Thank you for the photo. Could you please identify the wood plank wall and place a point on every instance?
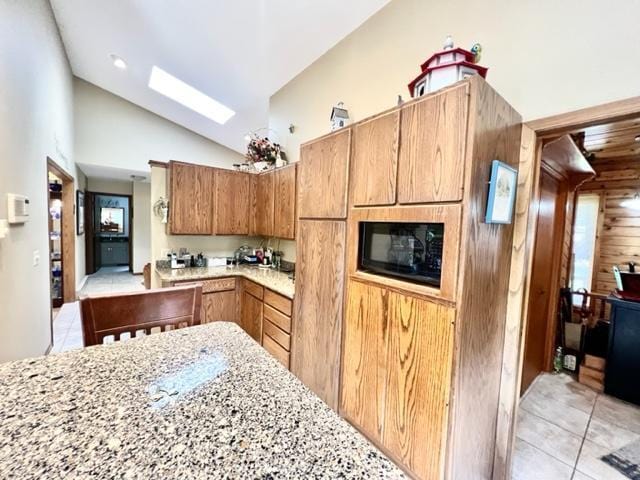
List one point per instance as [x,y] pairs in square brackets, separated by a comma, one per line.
[619,228]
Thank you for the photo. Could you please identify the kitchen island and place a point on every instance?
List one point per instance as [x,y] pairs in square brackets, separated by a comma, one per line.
[201,402]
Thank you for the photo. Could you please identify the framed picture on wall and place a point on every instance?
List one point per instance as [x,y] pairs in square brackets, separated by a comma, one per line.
[502,193]
[79,212]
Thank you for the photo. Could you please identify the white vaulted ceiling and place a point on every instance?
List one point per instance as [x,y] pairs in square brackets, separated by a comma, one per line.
[238,52]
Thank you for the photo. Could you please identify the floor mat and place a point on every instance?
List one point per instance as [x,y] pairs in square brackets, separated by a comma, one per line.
[626,460]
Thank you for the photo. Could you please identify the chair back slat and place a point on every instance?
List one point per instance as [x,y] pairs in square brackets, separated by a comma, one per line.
[141,312]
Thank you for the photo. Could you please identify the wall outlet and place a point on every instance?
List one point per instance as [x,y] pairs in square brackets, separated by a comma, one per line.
[36,258]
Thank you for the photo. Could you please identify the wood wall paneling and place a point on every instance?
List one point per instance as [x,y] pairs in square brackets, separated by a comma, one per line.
[317,330]
[323,175]
[191,199]
[485,258]
[284,222]
[231,203]
[264,204]
[375,160]
[432,147]
[618,238]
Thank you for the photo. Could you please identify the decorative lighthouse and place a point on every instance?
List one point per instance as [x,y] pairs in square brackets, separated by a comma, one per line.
[447,67]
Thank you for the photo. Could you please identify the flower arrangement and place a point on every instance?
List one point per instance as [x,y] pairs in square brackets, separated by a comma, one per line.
[263,153]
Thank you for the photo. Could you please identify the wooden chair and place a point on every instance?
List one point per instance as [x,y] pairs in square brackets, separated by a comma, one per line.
[117,314]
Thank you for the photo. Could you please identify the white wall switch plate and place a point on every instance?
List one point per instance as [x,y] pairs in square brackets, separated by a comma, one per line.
[36,258]
[4,228]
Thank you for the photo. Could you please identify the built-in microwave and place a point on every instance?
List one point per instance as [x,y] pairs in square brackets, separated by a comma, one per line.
[407,251]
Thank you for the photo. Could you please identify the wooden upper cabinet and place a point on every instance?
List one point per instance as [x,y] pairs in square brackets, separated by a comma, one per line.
[191,199]
[253,202]
[375,160]
[322,176]
[284,223]
[432,147]
[231,203]
[264,199]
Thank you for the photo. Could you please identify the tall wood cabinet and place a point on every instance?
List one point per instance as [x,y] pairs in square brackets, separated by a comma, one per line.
[420,366]
[315,350]
[320,266]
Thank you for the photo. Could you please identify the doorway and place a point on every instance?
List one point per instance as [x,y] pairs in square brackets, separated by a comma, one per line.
[109,239]
[62,232]
[614,144]
[540,333]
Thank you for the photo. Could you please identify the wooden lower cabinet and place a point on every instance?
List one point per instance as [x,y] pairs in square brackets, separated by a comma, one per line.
[251,316]
[220,307]
[396,374]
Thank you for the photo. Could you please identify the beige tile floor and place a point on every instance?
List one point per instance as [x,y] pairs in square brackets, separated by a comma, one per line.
[67,331]
[565,427]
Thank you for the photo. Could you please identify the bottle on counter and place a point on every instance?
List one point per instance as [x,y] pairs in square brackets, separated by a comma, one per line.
[557,360]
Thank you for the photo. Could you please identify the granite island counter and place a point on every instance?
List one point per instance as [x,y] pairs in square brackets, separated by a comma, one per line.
[201,402]
[272,279]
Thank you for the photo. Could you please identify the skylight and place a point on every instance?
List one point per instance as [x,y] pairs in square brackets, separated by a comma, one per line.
[183,93]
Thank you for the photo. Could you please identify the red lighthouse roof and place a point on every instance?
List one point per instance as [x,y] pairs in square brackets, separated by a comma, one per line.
[468,56]
[447,58]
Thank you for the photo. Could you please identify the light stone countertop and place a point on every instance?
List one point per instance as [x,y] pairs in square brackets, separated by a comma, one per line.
[272,279]
[201,402]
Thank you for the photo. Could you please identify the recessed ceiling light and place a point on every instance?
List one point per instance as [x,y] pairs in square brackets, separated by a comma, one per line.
[118,62]
[192,98]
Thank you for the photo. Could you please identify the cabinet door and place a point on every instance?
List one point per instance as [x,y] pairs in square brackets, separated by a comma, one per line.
[219,306]
[284,223]
[365,358]
[231,203]
[317,331]
[322,177]
[264,204]
[432,148]
[375,160]
[253,204]
[191,199]
[420,354]
[251,316]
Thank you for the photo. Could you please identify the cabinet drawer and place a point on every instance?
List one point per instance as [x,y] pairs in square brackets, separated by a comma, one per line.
[278,302]
[280,336]
[253,289]
[214,285]
[279,319]
[276,350]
